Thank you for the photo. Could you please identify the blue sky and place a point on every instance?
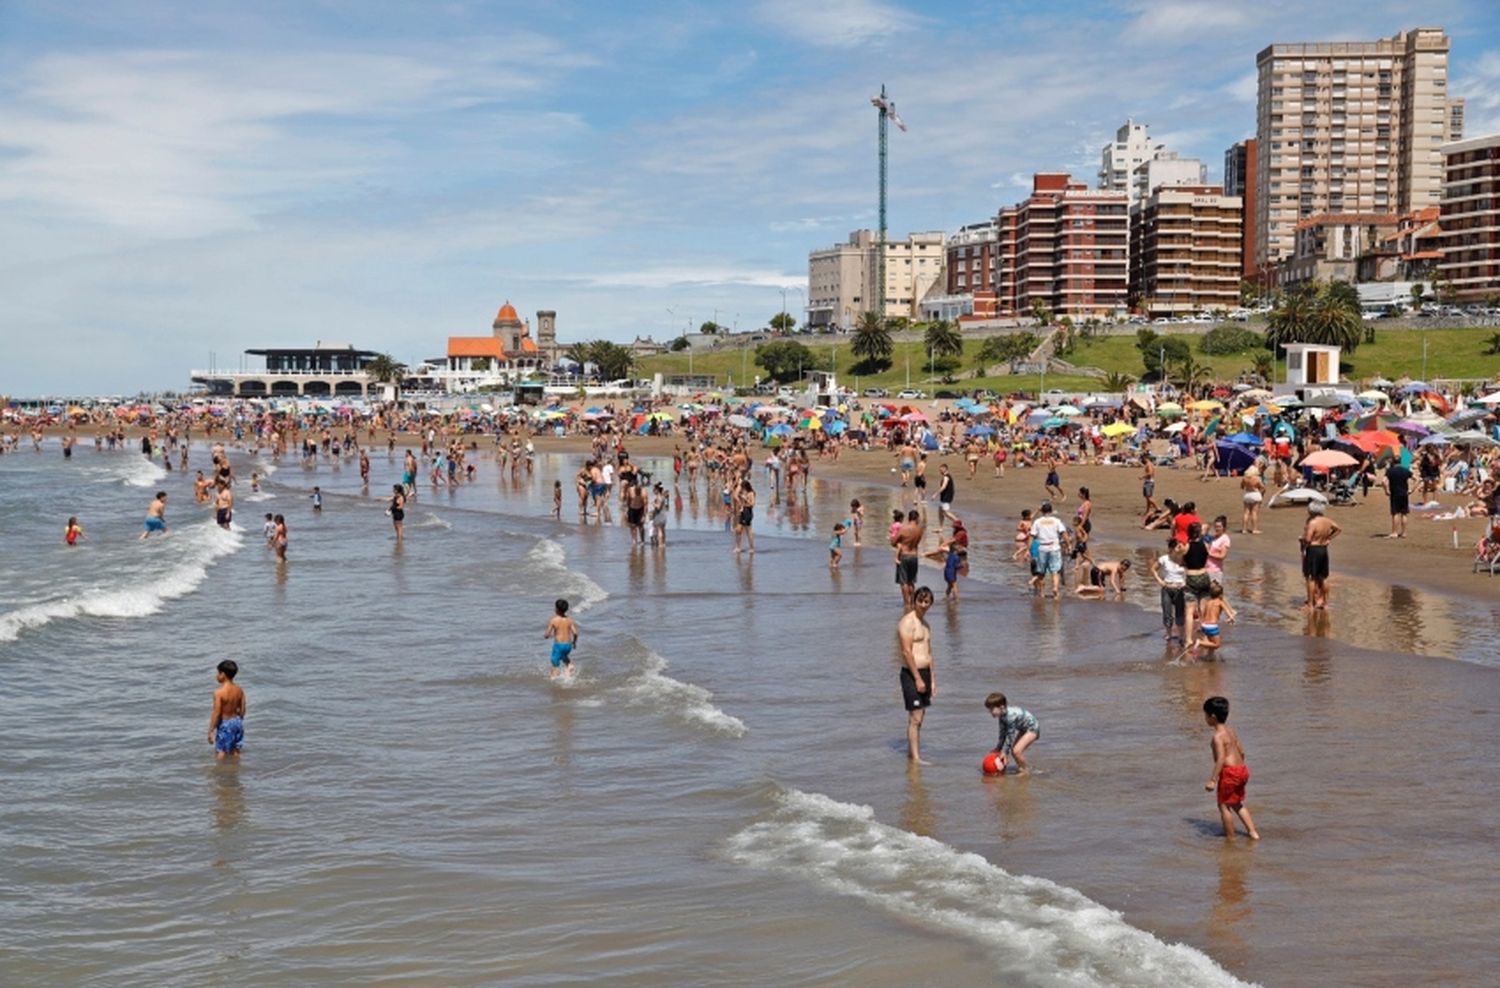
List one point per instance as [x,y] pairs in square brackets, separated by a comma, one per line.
[180,179]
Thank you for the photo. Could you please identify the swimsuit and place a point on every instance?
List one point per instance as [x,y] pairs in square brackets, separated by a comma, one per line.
[1016,724]
[916,698]
[1315,562]
[906,570]
[154,524]
[1232,780]
[1211,630]
[562,654]
[230,735]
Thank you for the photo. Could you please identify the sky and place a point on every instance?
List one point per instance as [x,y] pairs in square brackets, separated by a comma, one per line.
[182,181]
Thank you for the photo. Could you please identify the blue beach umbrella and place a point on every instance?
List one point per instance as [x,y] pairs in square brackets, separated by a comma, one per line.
[781,429]
[836,428]
[1055,423]
[981,431]
[1248,439]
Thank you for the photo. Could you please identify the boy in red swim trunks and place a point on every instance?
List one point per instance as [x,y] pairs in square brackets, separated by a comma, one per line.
[1230,772]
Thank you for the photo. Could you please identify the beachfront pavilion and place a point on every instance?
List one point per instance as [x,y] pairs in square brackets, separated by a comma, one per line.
[325,370]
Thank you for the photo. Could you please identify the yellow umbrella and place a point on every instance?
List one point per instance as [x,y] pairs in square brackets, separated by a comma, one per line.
[1117,429]
[1205,406]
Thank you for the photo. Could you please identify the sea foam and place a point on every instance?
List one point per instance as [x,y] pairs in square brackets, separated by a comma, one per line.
[582,592]
[652,688]
[1036,931]
[193,549]
[137,471]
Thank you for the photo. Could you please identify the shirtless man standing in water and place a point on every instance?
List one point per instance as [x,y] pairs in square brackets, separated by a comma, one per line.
[1316,534]
[907,542]
[918,681]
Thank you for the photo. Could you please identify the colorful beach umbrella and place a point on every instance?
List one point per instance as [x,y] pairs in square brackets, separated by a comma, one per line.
[1328,459]
[1116,429]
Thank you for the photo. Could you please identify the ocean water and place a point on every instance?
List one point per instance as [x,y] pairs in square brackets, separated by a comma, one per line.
[721,797]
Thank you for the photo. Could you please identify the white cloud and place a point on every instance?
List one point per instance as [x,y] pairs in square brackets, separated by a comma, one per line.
[837,23]
[688,275]
[1244,89]
[183,143]
[1173,20]
[1481,92]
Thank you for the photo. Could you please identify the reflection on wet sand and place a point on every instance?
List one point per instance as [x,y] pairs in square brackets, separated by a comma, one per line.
[916,812]
[1231,914]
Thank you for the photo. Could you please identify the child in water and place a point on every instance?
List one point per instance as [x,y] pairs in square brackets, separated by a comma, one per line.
[563,631]
[1018,730]
[317,499]
[74,532]
[557,499]
[269,529]
[951,564]
[1231,774]
[836,546]
[1210,612]
[226,724]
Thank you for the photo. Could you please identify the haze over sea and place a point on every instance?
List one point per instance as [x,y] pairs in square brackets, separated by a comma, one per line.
[721,797]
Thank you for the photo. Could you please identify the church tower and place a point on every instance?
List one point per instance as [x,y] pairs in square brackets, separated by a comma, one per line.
[546,333]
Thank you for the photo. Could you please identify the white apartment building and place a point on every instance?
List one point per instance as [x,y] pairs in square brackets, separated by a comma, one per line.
[1162,169]
[1131,148]
[842,280]
[1349,127]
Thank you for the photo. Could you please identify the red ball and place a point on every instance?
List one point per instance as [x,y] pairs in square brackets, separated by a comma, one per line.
[993,764]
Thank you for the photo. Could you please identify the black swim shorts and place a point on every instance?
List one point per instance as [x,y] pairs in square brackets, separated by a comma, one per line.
[1315,562]
[906,570]
[916,699]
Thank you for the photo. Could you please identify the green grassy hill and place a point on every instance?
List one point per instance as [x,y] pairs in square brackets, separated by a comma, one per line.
[1451,353]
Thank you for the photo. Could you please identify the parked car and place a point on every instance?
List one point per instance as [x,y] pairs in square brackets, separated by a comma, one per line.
[911,394]
[948,395]
[875,392]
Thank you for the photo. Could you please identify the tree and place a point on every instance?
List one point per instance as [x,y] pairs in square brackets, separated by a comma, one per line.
[709,328]
[1192,373]
[1418,292]
[1041,312]
[783,322]
[1492,344]
[611,361]
[872,344]
[1324,314]
[1115,381]
[1265,366]
[783,359]
[679,344]
[1155,348]
[480,364]
[943,339]
[386,369]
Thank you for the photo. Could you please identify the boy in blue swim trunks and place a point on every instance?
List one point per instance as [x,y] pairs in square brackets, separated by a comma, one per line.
[1018,730]
[563,631]
[1210,613]
[156,516]
[226,725]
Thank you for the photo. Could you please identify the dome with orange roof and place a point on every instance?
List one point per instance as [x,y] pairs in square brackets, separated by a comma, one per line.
[507,316]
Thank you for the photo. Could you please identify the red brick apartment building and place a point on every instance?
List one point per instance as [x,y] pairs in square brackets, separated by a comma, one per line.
[1065,246]
[1470,219]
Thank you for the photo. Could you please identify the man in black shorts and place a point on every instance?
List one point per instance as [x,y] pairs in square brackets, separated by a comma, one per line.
[1316,534]
[908,543]
[1397,484]
[918,680]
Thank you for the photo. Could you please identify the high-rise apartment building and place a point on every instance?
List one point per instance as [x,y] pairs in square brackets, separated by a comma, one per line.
[1348,127]
[1239,180]
[1185,250]
[1470,218]
[1064,246]
[1120,158]
[1135,164]
[841,280]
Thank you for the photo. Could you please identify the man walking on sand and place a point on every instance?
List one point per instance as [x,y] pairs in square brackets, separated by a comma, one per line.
[1397,485]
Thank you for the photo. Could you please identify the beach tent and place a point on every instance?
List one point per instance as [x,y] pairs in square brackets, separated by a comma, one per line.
[1233,457]
[1243,438]
[929,442]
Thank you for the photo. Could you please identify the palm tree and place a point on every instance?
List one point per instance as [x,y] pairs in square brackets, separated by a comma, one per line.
[1265,366]
[1192,373]
[872,343]
[1333,323]
[1115,381]
[1492,344]
[1289,320]
[1041,312]
[942,340]
[386,369]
